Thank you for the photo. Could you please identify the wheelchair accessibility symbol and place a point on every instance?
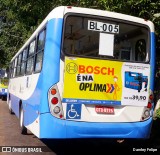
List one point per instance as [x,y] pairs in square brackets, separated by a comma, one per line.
[73,111]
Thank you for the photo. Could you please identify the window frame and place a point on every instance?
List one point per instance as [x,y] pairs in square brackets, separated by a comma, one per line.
[14,62]
[63,53]
[24,61]
[19,60]
[32,56]
[39,51]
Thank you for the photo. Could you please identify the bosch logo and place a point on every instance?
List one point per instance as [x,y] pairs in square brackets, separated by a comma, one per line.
[71,68]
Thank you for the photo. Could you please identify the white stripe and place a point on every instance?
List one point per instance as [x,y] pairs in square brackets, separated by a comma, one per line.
[23,87]
[35,127]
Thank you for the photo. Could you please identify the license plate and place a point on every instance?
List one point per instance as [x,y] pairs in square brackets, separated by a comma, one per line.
[104,110]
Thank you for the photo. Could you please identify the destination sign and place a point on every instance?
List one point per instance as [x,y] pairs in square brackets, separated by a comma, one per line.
[103,27]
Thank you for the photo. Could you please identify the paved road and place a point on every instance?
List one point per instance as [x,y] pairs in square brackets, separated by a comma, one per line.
[10,136]
[10,132]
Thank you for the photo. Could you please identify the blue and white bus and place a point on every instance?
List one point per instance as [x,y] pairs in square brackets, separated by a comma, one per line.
[85,73]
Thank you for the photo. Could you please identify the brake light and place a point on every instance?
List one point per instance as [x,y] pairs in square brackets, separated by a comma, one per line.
[149,105]
[54,100]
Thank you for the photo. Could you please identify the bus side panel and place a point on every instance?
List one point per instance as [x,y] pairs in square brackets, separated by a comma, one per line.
[30,107]
[15,104]
[51,61]
[152,61]
[49,77]
[38,102]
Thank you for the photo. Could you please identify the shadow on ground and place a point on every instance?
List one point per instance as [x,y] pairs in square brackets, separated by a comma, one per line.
[155,134]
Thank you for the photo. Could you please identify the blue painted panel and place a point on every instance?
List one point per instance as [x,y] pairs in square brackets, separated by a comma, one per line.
[108,130]
[30,106]
[51,63]
[56,128]
[15,104]
[51,127]
[152,60]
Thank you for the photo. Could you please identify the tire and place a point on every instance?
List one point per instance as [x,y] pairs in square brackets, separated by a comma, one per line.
[4,98]
[23,129]
[9,106]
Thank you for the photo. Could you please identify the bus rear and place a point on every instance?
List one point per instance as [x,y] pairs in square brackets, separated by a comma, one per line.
[106,75]
[3,88]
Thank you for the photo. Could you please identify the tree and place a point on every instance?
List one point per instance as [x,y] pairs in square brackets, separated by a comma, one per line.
[18,19]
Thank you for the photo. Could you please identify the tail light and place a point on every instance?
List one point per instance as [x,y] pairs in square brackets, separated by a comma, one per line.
[53,91]
[148,110]
[54,100]
[55,103]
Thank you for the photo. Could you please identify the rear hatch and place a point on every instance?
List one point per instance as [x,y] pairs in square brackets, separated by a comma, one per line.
[104,91]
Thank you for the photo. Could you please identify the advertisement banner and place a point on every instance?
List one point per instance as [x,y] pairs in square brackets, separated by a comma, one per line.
[94,81]
[136,81]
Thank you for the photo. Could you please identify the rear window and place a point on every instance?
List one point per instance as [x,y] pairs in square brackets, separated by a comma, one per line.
[105,38]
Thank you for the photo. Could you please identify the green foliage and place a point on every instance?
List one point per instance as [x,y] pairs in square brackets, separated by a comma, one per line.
[18,19]
[157,114]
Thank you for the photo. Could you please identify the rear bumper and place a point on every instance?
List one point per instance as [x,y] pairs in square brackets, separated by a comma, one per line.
[109,130]
[55,128]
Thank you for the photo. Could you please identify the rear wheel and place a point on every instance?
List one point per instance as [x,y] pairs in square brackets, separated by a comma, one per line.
[4,98]
[10,109]
[23,128]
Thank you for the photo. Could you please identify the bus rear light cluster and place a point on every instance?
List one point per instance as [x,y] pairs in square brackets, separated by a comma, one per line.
[148,110]
[150,100]
[55,102]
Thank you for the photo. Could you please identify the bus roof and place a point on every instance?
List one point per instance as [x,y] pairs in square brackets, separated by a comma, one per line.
[60,11]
